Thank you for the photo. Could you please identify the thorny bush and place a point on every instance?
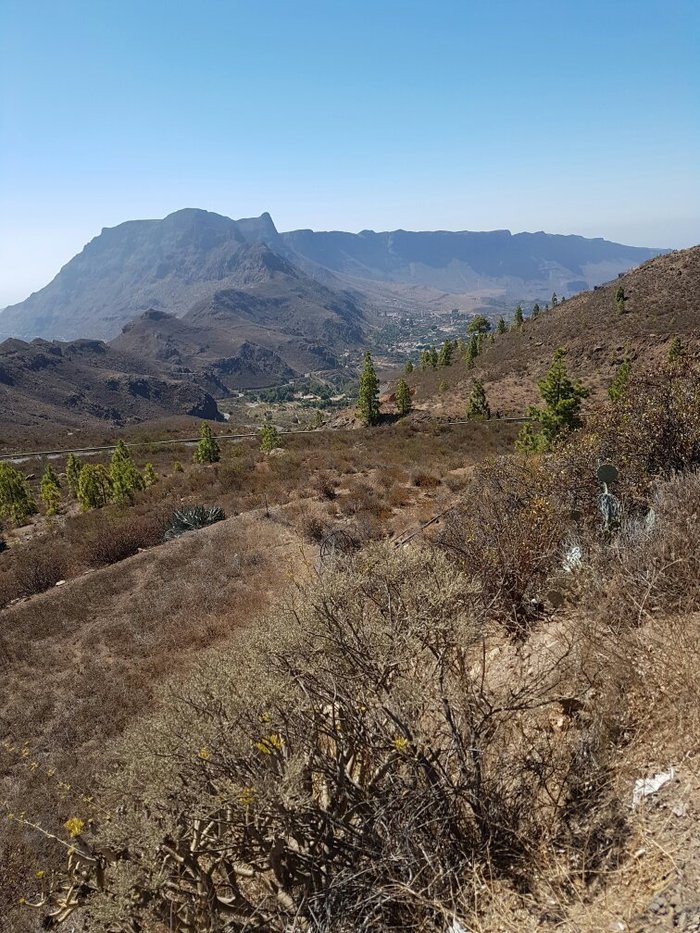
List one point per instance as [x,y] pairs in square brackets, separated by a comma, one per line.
[353,769]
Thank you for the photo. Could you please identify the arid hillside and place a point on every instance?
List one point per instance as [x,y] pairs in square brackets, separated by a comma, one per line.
[50,388]
[661,301]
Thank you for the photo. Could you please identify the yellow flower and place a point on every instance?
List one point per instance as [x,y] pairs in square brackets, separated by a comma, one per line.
[247,796]
[400,743]
[74,826]
[40,874]
[270,743]
[204,753]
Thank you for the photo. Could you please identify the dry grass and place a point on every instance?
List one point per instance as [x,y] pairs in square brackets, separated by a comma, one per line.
[81,662]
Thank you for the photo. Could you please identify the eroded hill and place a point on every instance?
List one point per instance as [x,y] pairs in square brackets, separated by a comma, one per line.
[661,302]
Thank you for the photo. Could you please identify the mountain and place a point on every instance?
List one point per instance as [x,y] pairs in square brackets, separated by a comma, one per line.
[662,301]
[519,267]
[172,265]
[46,385]
[303,284]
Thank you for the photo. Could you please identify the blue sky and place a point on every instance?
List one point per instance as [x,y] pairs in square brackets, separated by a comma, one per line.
[561,115]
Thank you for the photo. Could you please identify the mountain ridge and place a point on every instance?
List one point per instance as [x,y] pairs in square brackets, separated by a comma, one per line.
[175,262]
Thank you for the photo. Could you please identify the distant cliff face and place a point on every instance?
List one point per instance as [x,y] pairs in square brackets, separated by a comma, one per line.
[174,265]
[524,264]
[185,259]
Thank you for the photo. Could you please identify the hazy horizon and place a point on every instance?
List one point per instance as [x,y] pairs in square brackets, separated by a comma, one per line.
[523,116]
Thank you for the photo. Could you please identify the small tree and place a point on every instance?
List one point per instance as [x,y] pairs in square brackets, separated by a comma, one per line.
[620,299]
[50,490]
[561,413]
[368,396]
[403,398]
[473,350]
[73,468]
[445,355]
[178,467]
[408,368]
[618,386]
[518,318]
[94,487]
[125,477]
[16,500]
[478,408]
[676,352]
[269,437]
[479,325]
[501,327]
[555,300]
[208,450]
[150,478]
[536,311]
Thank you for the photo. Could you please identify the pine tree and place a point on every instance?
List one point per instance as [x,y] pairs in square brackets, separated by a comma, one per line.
[433,356]
[676,352]
[125,477]
[408,368]
[425,359]
[150,477]
[473,349]
[73,468]
[501,327]
[50,490]
[269,437]
[561,413]
[403,398]
[208,450]
[16,500]
[368,397]
[620,299]
[518,318]
[94,487]
[479,325]
[555,300]
[478,407]
[445,355]
[618,386]
[536,311]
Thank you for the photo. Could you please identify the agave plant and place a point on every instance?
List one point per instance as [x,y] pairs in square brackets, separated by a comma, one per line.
[199,516]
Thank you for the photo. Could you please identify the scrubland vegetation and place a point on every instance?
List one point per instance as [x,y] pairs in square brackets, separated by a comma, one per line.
[431,732]
[408,684]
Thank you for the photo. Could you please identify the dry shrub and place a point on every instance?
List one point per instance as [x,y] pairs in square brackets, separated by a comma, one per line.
[652,564]
[33,567]
[325,486]
[314,527]
[424,480]
[368,756]
[654,430]
[363,499]
[115,535]
[508,536]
